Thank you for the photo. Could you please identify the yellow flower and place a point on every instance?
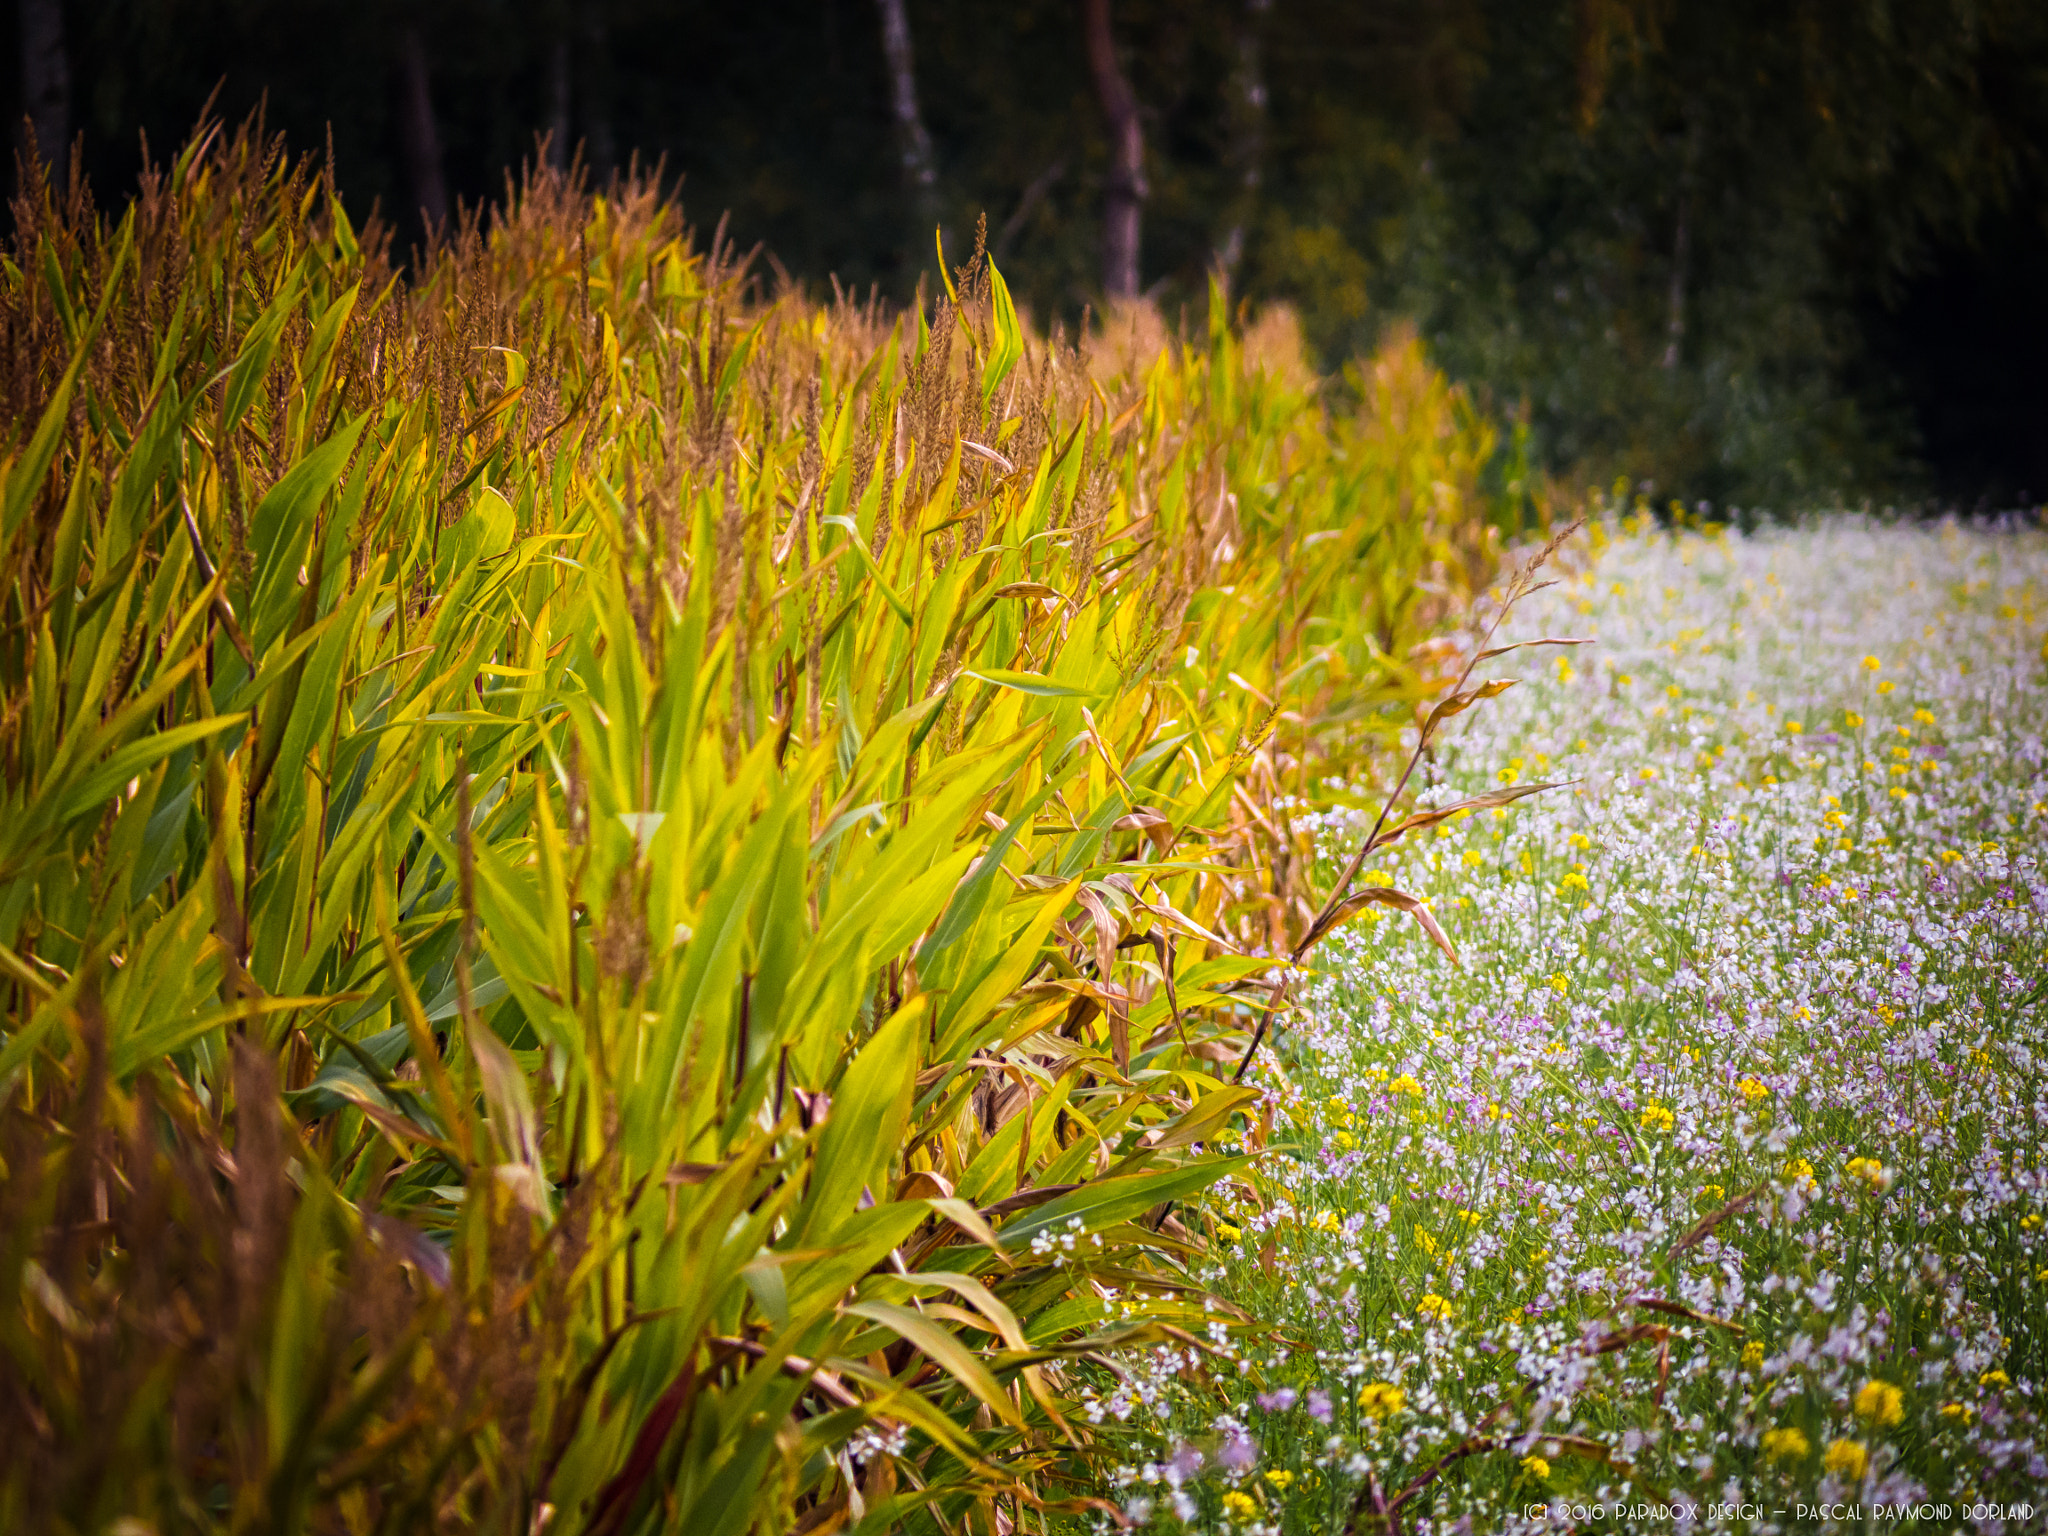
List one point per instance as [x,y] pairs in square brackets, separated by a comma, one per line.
[1435,1306]
[1871,663]
[1848,1457]
[1578,840]
[1382,1400]
[1885,686]
[1752,1354]
[1798,1168]
[1474,856]
[1752,1089]
[1405,1084]
[1713,1192]
[1793,727]
[1852,719]
[1923,717]
[1956,1411]
[1994,1379]
[1559,982]
[1535,1468]
[1873,1174]
[1573,881]
[1881,1403]
[1239,1506]
[1280,1478]
[1424,1241]
[1646,774]
[1228,1233]
[1345,1141]
[1658,1118]
[1786,1444]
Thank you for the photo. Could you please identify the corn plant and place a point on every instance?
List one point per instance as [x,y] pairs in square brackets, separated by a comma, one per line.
[627,902]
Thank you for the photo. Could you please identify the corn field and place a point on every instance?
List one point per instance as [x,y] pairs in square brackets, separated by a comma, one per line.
[628,901]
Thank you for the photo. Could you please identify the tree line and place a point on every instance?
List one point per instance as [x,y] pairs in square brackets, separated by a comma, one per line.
[1647,231]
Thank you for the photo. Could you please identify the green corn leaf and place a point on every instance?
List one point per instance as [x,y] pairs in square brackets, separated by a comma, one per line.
[1006,342]
[944,1350]
[1104,1202]
[259,349]
[23,477]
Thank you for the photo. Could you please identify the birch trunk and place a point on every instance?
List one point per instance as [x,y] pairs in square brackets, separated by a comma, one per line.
[420,132]
[1124,194]
[1247,153]
[914,143]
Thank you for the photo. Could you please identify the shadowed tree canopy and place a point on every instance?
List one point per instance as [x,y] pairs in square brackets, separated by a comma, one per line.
[1689,244]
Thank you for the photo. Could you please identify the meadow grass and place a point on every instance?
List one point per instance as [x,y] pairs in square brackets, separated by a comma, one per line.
[1714,1178]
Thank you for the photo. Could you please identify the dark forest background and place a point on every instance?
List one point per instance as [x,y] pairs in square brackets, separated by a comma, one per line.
[1749,251]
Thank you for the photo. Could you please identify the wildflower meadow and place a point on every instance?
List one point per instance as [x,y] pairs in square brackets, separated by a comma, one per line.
[1707,1191]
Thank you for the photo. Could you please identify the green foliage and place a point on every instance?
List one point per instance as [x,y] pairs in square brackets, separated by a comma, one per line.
[611,895]
[1659,230]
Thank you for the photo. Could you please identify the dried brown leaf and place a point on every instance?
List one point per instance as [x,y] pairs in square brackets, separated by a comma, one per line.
[1384,896]
[1483,802]
[1158,829]
[1502,650]
[1458,703]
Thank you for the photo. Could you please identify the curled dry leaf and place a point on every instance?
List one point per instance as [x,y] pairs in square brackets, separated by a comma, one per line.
[1172,917]
[923,1184]
[1523,645]
[991,455]
[1679,1309]
[1385,896]
[1158,829]
[1115,1003]
[1483,802]
[1702,1229]
[1461,701]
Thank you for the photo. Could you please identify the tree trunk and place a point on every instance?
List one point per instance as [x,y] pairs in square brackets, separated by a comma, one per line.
[1125,192]
[1247,151]
[46,83]
[558,101]
[599,152]
[420,132]
[1681,244]
[1681,260]
[920,164]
